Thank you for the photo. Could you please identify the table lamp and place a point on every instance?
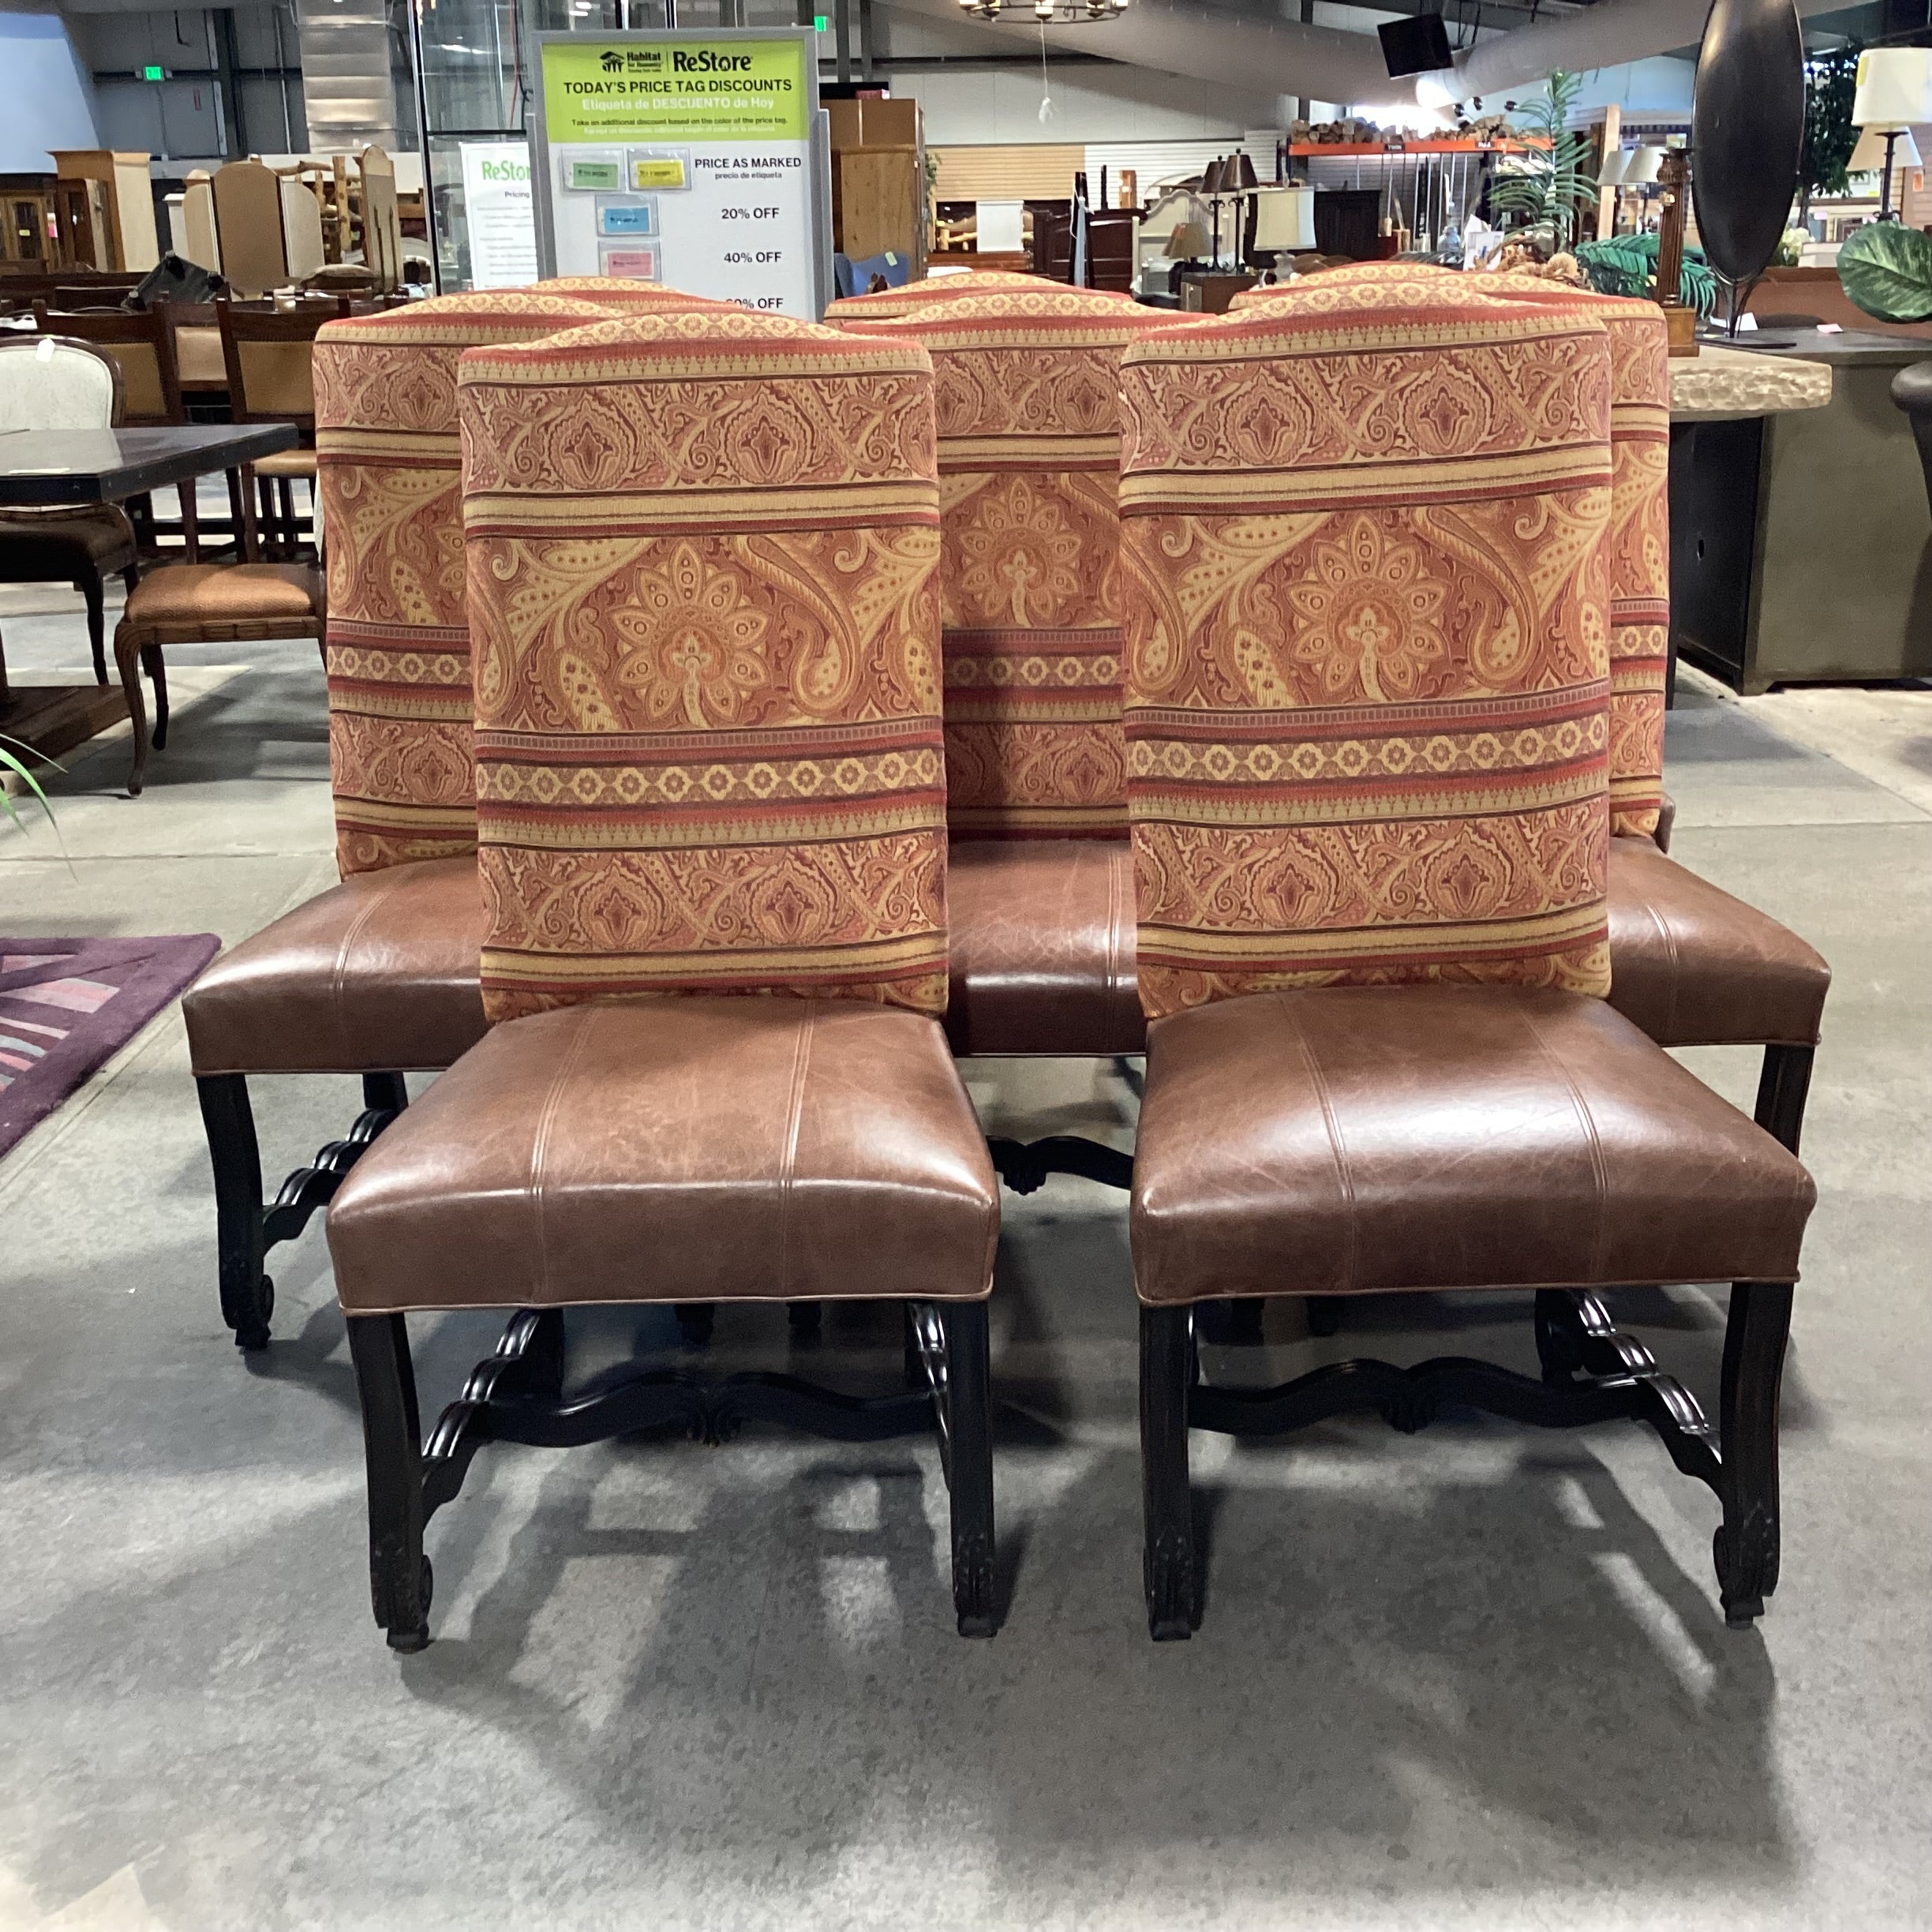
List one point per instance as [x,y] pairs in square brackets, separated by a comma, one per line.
[1284,221]
[1610,180]
[1187,242]
[1894,89]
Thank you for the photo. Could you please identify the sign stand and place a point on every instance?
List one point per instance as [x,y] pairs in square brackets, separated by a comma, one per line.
[699,160]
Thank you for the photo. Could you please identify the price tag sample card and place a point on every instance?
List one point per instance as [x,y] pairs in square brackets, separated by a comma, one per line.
[685,159]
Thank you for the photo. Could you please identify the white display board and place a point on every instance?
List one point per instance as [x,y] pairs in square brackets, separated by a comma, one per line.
[499,209]
[696,159]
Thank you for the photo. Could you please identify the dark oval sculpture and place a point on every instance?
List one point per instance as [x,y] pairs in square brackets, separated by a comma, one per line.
[1746,128]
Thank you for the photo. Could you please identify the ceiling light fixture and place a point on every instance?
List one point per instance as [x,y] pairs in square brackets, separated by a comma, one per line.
[1051,12]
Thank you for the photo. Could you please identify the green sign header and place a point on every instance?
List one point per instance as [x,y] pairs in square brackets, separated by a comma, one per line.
[690,89]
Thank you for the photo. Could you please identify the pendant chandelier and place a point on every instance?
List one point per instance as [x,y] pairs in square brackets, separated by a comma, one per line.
[1050,13]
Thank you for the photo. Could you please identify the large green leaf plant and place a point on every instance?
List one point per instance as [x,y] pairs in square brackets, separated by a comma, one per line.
[1886,269]
[1627,265]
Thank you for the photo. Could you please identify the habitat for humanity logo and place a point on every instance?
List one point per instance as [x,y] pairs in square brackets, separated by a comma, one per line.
[632,60]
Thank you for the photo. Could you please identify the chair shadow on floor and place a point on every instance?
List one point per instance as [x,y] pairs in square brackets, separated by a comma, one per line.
[775,1672]
[1481,1667]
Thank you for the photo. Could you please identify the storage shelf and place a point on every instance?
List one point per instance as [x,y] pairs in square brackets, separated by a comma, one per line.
[1363,150]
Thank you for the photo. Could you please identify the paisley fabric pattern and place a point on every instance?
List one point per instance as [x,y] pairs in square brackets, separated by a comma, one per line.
[398,641]
[1027,383]
[615,292]
[886,304]
[1365,574]
[1639,515]
[703,552]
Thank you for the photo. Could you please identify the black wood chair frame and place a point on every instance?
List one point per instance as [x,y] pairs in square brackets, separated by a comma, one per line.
[1591,1373]
[517,1395]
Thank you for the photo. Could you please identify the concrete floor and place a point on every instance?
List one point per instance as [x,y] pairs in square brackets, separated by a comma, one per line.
[1475,1678]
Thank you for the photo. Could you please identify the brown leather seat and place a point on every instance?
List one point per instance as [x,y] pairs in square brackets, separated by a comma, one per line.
[1693,967]
[376,974]
[705,1149]
[1354,1140]
[1043,947]
[1043,953]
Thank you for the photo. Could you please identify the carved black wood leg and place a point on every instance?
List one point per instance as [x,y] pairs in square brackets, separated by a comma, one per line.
[247,1294]
[400,1581]
[806,1320]
[969,1463]
[1324,1314]
[1746,1546]
[1782,1088]
[1167,1564]
[1024,1165]
[695,1320]
[390,1092]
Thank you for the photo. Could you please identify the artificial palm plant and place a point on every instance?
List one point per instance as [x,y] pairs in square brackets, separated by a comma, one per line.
[1550,185]
[10,763]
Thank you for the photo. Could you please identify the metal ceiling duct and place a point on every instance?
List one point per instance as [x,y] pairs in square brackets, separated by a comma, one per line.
[348,79]
[1603,36]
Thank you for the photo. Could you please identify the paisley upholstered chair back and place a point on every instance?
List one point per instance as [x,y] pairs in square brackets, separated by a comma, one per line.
[1027,383]
[1639,512]
[616,292]
[885,304]
[397,643]
[703,559]
[1363,563]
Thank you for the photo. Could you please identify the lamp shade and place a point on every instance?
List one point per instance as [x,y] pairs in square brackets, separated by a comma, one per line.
[1211,180]
[1894,88]
[1285,219]
[1640,170]
[1189,242]
[1239,176]
[1611,173]
[1869,156]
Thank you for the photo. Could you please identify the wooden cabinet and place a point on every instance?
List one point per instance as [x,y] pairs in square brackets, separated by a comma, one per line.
[26,234]
[878,180]
[104,201]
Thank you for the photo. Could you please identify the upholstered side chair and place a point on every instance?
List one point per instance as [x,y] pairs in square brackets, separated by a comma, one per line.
[1371,847]
[703,552]
[1691,964]
[377,976]
[885,304]
[1040,885]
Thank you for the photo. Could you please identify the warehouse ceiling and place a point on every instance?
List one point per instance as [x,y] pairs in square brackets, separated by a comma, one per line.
[1260,47]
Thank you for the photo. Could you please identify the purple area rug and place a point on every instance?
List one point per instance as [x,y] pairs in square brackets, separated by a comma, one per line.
[67,1004]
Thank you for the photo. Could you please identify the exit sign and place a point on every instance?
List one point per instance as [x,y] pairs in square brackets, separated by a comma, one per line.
[153,73]
[822,22]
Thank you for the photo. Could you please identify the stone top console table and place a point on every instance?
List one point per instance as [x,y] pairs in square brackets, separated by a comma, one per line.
[1800,540]
[1727,385]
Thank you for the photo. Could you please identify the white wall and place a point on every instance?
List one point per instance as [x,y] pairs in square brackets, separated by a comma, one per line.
[49,103]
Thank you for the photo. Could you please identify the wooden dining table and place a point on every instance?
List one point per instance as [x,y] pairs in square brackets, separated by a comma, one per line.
[47,469]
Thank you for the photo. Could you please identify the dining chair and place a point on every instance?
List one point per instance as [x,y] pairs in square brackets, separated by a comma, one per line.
[751,622]
[378,977]
[1039,888]
[1368,714]
[141,343]
[1690,964]
[55,383]
[268,356]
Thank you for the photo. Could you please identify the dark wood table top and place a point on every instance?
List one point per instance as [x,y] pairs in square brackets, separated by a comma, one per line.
[49,467]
